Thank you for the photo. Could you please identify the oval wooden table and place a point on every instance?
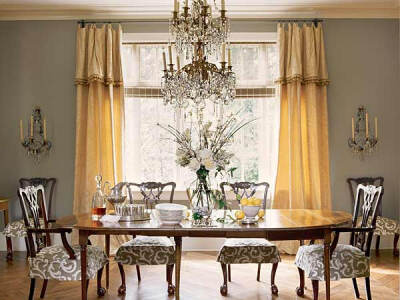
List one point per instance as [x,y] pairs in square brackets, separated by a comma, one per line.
[277,225]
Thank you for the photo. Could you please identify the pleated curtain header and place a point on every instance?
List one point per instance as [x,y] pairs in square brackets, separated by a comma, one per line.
[98,53]
[303,51]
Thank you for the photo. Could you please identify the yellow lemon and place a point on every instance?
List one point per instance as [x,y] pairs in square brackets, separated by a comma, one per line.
[187,214]
[244,201]
[239,214]
[261,213]
[257,202]
[250,202]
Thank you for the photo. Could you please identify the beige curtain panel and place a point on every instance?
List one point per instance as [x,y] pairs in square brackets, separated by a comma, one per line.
[303,161]
[99,118]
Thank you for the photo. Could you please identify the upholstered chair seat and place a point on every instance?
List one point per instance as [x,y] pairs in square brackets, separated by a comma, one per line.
[53,262]
[346,262]
[17,229]
[146,250]
[246,251]
[384,226]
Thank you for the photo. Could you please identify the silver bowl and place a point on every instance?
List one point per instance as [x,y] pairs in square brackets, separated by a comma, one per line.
[116,200]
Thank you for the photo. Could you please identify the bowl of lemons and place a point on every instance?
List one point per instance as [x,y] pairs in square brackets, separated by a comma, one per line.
[250,208]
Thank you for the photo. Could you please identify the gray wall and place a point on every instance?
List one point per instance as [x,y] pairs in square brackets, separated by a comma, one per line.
[37,65]
[37,61]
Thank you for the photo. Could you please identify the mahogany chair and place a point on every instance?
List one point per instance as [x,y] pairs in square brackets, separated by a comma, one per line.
[240,251]
[54,262]
[384,226]
[17,229]
[346,261]
[145,250]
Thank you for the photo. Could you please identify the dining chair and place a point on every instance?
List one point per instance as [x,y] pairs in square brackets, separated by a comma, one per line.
[243,251]
[346,261]
[145,250]
[54,262]
[384,226]
[17,229]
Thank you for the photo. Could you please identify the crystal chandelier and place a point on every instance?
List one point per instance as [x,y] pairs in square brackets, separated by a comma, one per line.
[198,35]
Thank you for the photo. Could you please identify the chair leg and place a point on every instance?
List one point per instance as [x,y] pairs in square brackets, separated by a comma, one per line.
[258,272]
[300,289]
[122,288]
[139,278]
[9,249]
[87,285]
[229,273]
[368,288]
[100,290]
[377,242]
[44,286]
[395,241]
[32,289]
[356,291]
[315,288]
[224,287]
[274,288]
[171,287]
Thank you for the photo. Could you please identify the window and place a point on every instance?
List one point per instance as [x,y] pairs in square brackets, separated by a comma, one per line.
[149,154]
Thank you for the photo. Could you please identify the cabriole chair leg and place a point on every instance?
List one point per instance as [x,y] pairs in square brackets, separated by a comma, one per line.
[368,288]
[229,273]
[258,272]
[100,290]
[171,287]
[274,288]
[300,289]
[122,288]
[377,242]
[224,287]
[395,241]
[139,278]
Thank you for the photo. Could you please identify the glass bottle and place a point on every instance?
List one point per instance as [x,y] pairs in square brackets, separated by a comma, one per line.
[98,201]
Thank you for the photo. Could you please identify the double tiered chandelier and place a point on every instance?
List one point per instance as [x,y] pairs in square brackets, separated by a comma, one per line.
[198,35]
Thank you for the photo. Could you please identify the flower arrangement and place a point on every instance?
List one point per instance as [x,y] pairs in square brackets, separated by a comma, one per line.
[203,149]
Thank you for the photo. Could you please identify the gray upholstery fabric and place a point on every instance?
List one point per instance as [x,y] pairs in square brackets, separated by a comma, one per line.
[243,251]
[145,250]
[54,263]
[17,228]
[384,226]
[347,262]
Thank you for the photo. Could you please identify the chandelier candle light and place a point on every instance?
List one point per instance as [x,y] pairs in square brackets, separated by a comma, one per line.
[198,35]
[361,140]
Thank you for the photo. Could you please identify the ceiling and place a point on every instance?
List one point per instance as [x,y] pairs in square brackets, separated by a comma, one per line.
[160,9]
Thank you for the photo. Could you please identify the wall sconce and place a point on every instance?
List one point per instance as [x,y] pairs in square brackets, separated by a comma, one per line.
[36,143]
[362,141]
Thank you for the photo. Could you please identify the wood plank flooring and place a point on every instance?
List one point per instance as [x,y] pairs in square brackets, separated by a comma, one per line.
[201,279]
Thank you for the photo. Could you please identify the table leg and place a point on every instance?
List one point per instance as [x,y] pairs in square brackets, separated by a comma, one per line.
[327,265]
[108,265]
[178,256]
[83,241]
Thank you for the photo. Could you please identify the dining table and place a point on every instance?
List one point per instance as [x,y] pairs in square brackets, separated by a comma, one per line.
[277,225]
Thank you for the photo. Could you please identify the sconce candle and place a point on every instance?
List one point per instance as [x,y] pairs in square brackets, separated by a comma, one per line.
[223,52]
[36,143]
[361,141]
[164,61]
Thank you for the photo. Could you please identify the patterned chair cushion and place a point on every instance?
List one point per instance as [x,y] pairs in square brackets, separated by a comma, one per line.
[244,251]
[146,250]
[347,262]
[54,263]
[17,229]
[384,226]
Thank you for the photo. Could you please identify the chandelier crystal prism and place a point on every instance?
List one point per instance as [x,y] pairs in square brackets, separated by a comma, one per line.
[197,36]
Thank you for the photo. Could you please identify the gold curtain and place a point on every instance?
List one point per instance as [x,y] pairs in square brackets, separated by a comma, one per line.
[99,115]
[303,161]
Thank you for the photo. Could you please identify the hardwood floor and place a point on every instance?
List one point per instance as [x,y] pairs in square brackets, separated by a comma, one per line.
[201,278]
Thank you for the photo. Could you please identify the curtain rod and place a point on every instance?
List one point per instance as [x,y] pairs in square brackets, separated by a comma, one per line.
[315,21]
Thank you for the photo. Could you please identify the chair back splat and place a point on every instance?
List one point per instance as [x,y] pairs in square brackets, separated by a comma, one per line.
[151,191]
[33,205]
[354,182]
[367,201]
[246,189]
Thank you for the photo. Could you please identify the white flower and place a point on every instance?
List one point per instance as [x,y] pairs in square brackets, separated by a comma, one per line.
[209,164]
[194,164]
[205,154]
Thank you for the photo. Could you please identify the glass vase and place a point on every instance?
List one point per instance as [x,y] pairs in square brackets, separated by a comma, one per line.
[202,202]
